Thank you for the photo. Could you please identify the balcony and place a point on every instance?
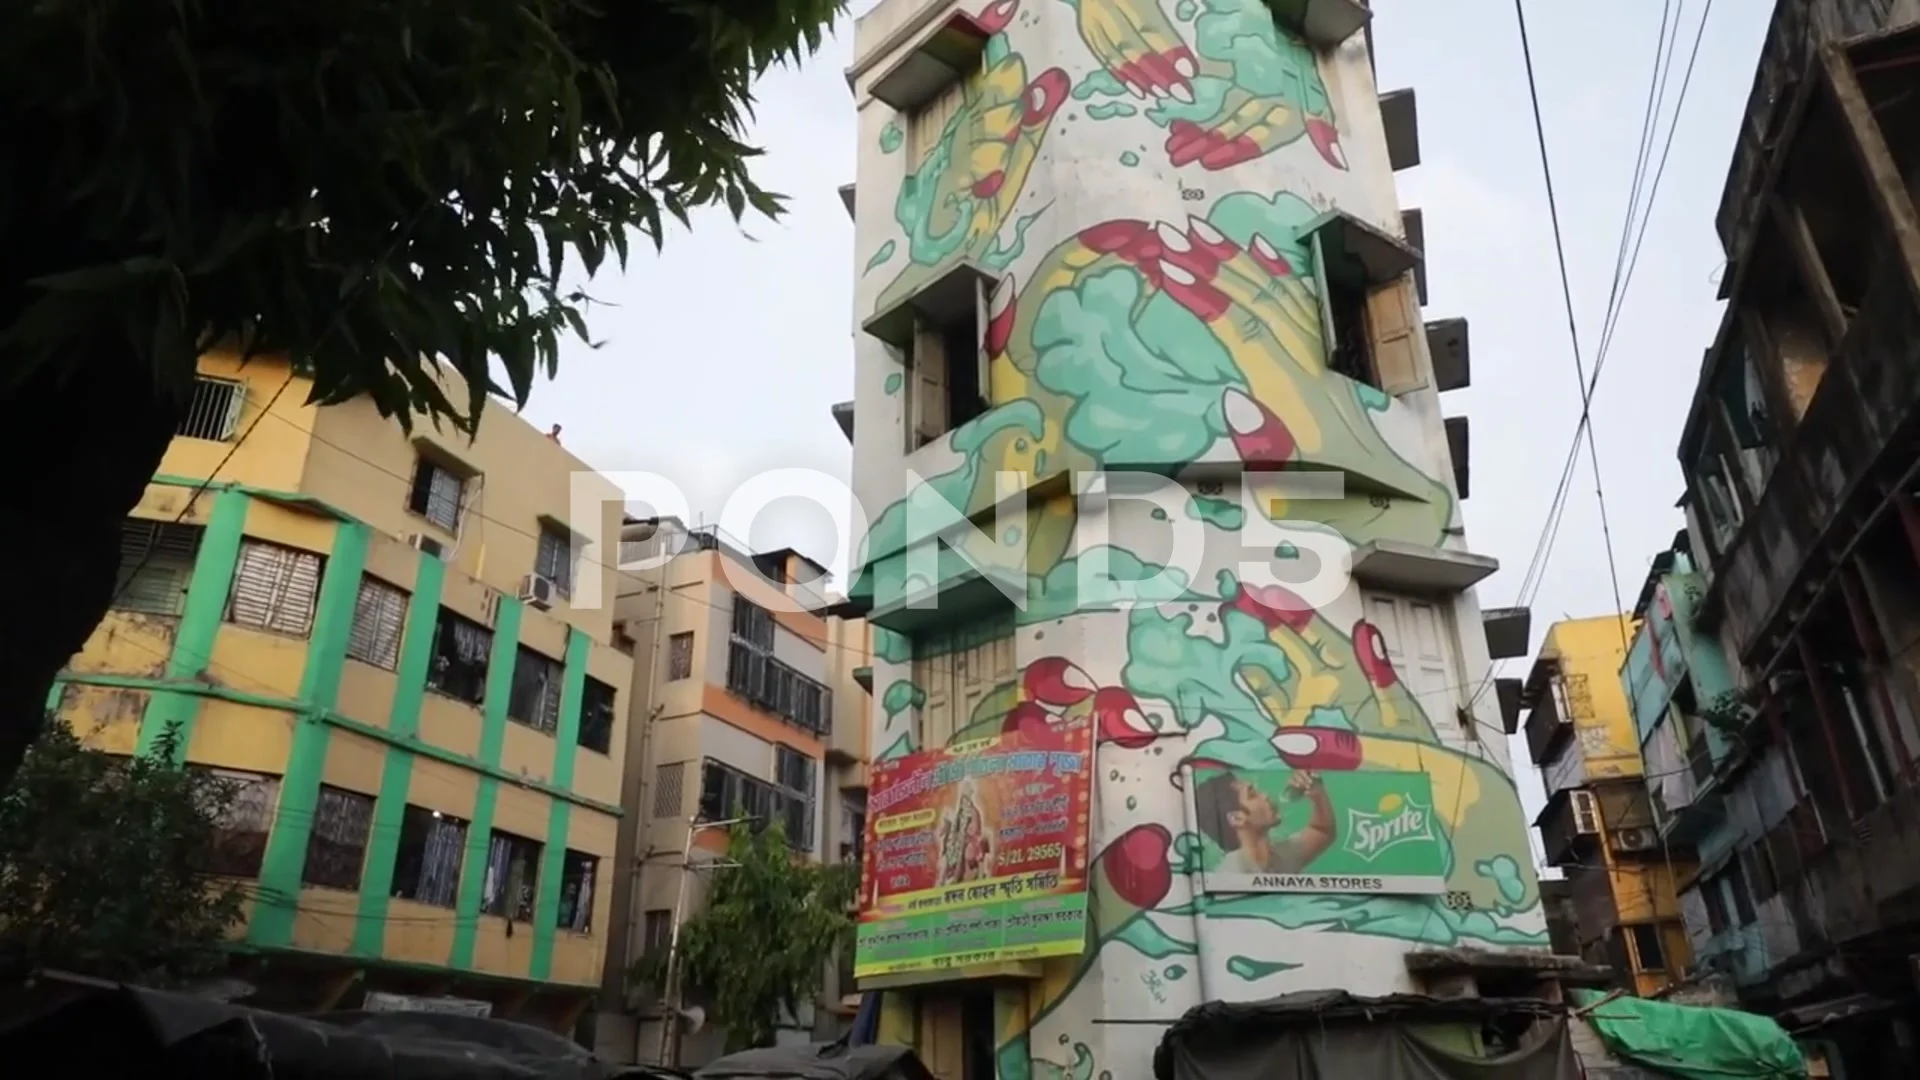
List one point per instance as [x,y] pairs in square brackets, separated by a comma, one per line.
[1798,29]
[1818,497]
[1868,880]
[1547,729]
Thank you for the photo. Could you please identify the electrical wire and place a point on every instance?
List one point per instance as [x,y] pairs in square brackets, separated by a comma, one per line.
[1535,574]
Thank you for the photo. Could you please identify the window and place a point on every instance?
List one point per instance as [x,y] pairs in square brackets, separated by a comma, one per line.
[553,558]
[927,123]
[426,866]
[437,494]
[1716,904]
[1742,896]
[1716,501]
[947,365]
[794,772]
[596,716]
[338,844]
[957,668]
[274,588]
[513,875]
[669,789]
[460,651]
[754,674]
[853,827]
[680,656]
[535,697]
[156,565]
[656,931]
[1648,955]
[1345,318]
[213,410]
[379,613]
[727,793]
[577,872]
[240,839]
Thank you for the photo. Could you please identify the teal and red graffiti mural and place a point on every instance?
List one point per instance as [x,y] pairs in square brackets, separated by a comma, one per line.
[1139,186]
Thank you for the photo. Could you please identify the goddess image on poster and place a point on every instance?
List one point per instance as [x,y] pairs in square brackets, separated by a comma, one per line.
[966,841]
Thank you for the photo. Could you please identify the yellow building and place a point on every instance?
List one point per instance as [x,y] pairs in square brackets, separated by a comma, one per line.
[1598,825]
[371,634]
[745,697]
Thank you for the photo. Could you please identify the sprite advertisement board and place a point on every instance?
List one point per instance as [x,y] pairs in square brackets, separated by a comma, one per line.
[1292,830]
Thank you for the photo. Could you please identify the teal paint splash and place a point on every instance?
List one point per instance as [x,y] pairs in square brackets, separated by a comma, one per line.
[1246,967]
[892,384]
[1109,110]
[880,256]
[1145,937]
[1219,513]
[1129,159]
[891,138]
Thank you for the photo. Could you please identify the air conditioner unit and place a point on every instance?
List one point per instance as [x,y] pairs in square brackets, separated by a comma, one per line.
[490,609]
[1586,813]
[1636,839]
[428,544]
[537,591]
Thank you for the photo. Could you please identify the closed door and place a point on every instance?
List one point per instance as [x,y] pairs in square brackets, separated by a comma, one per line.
[1419,643]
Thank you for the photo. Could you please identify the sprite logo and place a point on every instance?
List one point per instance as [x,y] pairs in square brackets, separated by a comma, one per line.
[1399,822]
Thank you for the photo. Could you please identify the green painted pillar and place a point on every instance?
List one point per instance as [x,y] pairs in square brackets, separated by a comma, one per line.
[493,732]
[286,855]
[396,776]
[546,907]
[199,624]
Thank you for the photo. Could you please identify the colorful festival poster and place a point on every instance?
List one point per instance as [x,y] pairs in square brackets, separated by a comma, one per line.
[977,853]
[1307,831]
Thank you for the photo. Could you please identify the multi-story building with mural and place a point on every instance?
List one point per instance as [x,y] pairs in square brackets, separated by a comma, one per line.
[370,633]
[1161,238]
[1598,825]
[734,710]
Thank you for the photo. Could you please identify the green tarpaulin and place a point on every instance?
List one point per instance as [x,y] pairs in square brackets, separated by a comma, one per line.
[1694,1042]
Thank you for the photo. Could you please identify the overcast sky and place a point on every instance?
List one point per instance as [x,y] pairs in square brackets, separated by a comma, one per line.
[723,355]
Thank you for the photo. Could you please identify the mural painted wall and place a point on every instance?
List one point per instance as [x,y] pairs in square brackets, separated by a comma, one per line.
[1138,177]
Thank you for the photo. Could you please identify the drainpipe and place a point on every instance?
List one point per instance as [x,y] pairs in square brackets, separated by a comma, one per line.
[1875,648]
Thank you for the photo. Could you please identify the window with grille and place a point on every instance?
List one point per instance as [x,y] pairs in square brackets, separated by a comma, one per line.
[156,566]
[513,876]
[795,772]
[680,656]
[553,558]
[213,410]
[242,824]
[597,702]
[461,648]
[436,494]
[535,697]
[426,865]
[338,844]
[379,615]
[577,873]
[274,588]
[669,789]
[755,674]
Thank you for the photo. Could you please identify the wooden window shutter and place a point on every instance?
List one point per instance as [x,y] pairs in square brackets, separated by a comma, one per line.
[274,588]
[929,385]
[927,123]
[1393,321]
[983,363]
